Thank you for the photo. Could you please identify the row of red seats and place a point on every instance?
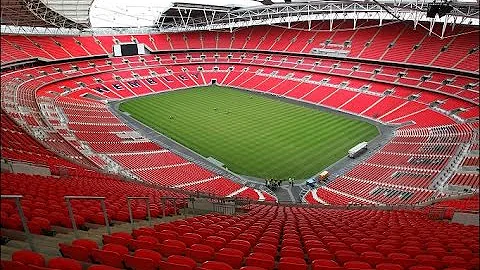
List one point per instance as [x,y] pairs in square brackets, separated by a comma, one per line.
[390,42]
[273,237]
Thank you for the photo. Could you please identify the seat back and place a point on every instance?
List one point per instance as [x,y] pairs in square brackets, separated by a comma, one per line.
[78,253]
[121,250]
[213,265]
[86,243]
[136,263]
[109,239]
[182,260]
[64,264]
[107,257]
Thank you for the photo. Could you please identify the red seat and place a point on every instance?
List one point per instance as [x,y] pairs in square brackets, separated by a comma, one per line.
[78,253]
[34,267]
[215,241]
[64,264]
[309,244]
[108,239]
[213,265]
[372,257]
[233,257]
[102,267]
[411,250]
[343,256]
[28,257]
[265,248]
[422,267]
[122,250]
[13,265]
[319,254]
[252,268]
[464,253]
[124,235]
[137,263]
[268,240]
[134,244]
[241,245]
[185,262]
[106,257]
[86,243]
[437,251]
[389,266]
[454,261]
[166,234]
[261,260]
[227,235]
[322,264]
[357,265]
[252,239]
[172,247]
[150,239]
[291,243]
[402,259]
[205,232]
[292,263]
[191,238]
[336,246]
[385,249]
[475,263]
[290,251]
[200,253]
[429,260]
[149,254]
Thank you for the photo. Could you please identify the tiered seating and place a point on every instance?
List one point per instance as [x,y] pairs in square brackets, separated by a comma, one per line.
[148,160]
[465,179]
[174,175]
[220,186]
[273,237]
[124,147]
[43,198]
[325,195]
[392,42]
[402,171]
[471,161]
[468,204]
[83,113]
[18,145]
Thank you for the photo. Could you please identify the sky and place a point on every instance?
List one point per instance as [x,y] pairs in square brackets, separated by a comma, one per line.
[136,13]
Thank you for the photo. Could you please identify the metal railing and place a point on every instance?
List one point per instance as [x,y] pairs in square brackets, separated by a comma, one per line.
[72,218]
[129,205]
[18,203]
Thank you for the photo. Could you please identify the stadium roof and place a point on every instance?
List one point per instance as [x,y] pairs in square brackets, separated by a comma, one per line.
[46,13]
[194,17]
[125,16]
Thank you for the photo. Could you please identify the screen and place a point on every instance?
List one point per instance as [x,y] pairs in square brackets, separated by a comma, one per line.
[129,49]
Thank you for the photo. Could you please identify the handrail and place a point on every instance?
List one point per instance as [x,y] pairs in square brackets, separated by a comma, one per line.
[147,202]
[17,199]
[72,218]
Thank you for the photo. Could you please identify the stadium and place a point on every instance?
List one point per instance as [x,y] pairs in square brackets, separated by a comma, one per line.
[251,135]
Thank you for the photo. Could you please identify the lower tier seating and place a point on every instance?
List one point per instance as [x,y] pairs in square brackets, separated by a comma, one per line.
[278,237]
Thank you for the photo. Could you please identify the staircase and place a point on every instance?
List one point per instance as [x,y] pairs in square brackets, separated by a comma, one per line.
[48,245]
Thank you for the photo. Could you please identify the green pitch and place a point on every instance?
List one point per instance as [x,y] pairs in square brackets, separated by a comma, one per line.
[250,134]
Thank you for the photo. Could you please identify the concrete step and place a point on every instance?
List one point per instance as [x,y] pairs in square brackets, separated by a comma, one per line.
[6,252]
[47,250]
[18,235]
[48,245]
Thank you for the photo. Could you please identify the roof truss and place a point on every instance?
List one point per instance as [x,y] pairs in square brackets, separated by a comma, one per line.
[197,17]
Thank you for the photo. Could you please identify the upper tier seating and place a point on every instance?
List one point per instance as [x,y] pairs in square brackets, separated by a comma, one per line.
[393,41]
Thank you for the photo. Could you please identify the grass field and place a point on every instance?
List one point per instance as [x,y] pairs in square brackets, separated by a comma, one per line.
[250,134]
